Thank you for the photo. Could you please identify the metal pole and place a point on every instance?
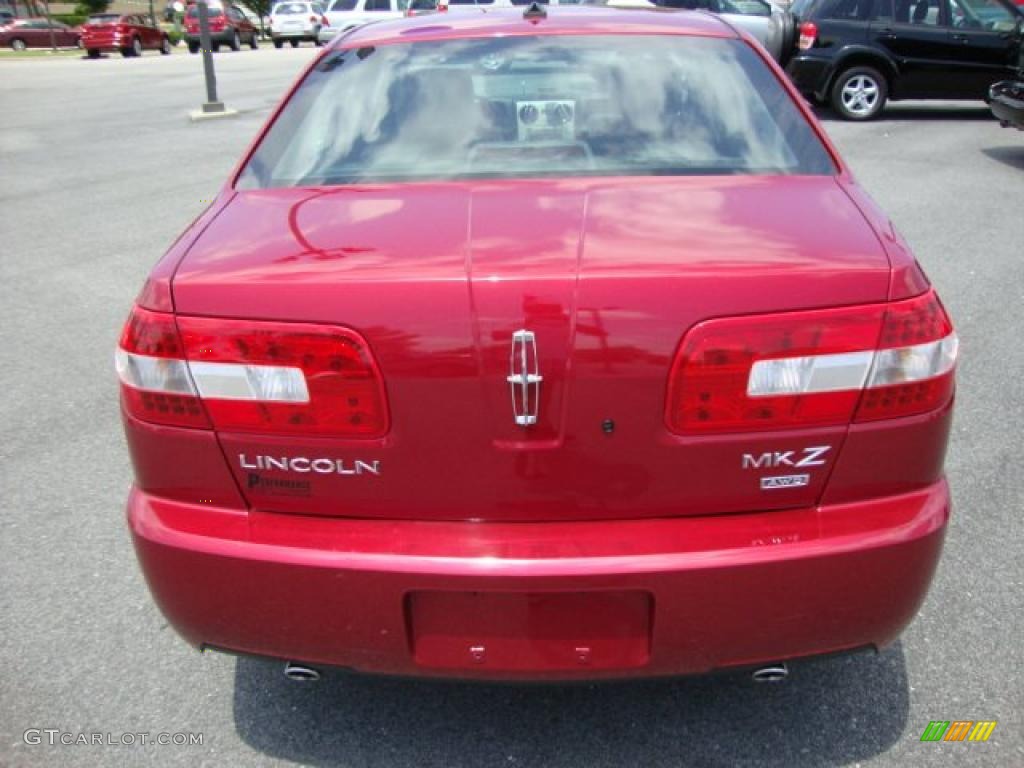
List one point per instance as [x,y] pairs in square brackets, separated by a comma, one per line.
[212,104]
[49,23]
[152,16]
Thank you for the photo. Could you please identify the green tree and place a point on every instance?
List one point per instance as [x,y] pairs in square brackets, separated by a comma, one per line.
[89,7]
[260,7]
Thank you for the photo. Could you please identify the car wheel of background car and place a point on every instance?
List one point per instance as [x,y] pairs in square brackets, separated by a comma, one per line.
[215,47]
[18,44]
[193,47]
[165,47]
[295,43]
[254,41]
[236,43]
[136,47]
[93,53]
[859,93]
[279,43]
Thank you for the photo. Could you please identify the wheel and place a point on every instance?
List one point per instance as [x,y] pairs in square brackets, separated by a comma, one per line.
[254,41]
[295,43]
[165,47]
[17,44]
[215,47]
[93,53]
[136,47]
[316,42]
[193,47]
[236,42]
[859,93]
[279,43]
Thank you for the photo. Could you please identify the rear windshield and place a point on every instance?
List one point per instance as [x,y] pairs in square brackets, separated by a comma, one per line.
[537,106]
[193,12]
[287,9]
[343,5]
[104,18]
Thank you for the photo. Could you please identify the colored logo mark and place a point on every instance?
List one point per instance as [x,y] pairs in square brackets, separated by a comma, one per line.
[959,730]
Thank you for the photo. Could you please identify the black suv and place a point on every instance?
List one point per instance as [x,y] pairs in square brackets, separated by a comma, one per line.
[856,54]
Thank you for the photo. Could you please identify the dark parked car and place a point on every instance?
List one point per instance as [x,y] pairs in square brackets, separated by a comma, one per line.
[857,54]
[20,34]
[130,34]
[228,26]
[1006,100]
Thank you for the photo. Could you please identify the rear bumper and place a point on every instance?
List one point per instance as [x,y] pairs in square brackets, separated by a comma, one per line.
[295,34]
[810,74]
[1006,100]
[731,590]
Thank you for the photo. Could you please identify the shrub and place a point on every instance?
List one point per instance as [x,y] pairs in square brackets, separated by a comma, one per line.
[71,19]
[89,7]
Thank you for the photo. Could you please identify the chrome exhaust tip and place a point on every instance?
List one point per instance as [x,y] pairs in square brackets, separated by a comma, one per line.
[300,673]
[774,673]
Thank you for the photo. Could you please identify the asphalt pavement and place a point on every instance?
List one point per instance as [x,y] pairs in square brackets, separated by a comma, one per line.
[100,169]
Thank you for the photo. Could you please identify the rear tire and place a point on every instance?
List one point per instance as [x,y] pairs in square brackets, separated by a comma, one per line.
[236,42]
[193,47]
[215,47]
[165,47]
[859,93]
[93,53]
[17,44]
[254,41]
[295,43]
[279,43]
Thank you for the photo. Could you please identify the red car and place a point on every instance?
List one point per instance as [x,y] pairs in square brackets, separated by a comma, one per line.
[128,33]
[228,26]
[21,34]
[575,351]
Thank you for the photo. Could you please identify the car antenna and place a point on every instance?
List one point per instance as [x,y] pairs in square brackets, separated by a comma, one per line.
[535,11]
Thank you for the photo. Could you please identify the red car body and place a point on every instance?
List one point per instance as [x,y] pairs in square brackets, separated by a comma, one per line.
[228,26]
[130,34]
[20,34]
[617,535]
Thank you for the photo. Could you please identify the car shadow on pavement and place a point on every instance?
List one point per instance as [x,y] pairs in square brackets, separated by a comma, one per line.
[830,712]
[1012,156]
[918,112]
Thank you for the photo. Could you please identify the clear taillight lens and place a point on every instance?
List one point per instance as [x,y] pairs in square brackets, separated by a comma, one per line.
[813,368]
[248,376]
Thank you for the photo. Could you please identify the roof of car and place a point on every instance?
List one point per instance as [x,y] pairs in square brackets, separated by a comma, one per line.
[568,20]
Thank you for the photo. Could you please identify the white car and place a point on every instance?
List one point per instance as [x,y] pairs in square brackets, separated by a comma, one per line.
[296,21]
[343,15]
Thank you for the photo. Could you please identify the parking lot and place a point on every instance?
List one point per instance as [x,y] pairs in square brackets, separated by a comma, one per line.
[100,169]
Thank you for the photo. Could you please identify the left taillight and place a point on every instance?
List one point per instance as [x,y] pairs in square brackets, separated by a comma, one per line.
[250,376]
[155,381]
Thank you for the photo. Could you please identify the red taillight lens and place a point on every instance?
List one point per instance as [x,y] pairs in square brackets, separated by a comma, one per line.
[799,369]
[155,383]
[913,367]
[324,21]
[272,378]
[808,35]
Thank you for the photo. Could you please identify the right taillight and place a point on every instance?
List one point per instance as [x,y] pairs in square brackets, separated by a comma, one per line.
[913,366]
[808,35]
[250,376]
[813,368]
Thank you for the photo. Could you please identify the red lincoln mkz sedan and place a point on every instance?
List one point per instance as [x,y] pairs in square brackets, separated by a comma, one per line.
[539,345]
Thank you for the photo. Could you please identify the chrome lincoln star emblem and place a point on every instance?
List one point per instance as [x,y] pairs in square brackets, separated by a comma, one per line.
[524,378]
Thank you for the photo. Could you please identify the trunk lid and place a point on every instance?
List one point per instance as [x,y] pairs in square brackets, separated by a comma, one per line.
[607,276]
